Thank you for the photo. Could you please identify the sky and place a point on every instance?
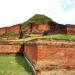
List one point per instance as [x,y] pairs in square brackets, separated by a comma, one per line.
[18,11]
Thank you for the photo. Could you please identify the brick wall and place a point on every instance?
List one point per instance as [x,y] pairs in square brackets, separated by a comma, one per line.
[57,28]
[48,28]
[2,30]
[63,58]
[10,48]
[36,29]
[40,28]
[70,29]
[12,32]
[30,51]
[60,28]
[44,29]
[58,53]
[15,28]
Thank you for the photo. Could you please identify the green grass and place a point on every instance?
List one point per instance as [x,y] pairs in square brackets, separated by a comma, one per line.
[37,19]
[55,36]
[62,36]
[14,65]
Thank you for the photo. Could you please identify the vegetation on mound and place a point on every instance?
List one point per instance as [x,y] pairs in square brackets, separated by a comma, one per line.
[37,19]
[53,36]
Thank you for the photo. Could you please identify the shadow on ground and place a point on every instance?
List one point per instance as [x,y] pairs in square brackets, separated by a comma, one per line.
[20,59]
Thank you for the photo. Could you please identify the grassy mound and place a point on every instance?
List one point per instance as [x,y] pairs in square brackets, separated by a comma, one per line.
[37,19]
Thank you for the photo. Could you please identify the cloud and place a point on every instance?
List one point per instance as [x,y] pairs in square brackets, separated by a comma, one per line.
[69,11]
[18,11]
[64,11]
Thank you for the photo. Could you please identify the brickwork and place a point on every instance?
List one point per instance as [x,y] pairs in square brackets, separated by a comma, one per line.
[71,29]
[31,53]
[60,54]
[10,48]
[49,28]
[14,28]
[2,31]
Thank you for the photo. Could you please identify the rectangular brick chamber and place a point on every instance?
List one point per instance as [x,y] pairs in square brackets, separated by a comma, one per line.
[49,53]
[10,48]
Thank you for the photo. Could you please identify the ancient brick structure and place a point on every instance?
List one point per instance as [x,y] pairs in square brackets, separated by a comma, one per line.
[40,29]
[2,31]
[48,28]
[10,32]
[60,28]
[31,53]
[48,54]
[43,54]
[57,28]
[9,48]
[33,29]
[70,29]
[15,28]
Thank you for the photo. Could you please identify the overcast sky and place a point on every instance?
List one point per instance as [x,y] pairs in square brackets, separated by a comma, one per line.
[18,11]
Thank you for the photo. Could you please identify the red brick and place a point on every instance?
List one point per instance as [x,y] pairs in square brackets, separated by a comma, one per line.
[2,30]
[9,48]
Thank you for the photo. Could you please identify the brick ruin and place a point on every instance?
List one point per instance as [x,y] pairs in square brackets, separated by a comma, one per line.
[48,28]
[10,32]
[14,29]
[39,29]
[47,55]
[43,56]
[2,31]
[7,48]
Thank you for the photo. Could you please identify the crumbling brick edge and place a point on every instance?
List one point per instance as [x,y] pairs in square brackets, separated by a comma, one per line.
[30,64]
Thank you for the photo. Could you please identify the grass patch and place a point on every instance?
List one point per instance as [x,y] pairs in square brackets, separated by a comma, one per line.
[14,65]
[61,36]
[54,36]
[37,19]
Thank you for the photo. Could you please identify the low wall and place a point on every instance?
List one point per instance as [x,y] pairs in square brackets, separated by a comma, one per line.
[14,29]
[51,53]
[71,29]
[10,48]
[30,52]
[2,30]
